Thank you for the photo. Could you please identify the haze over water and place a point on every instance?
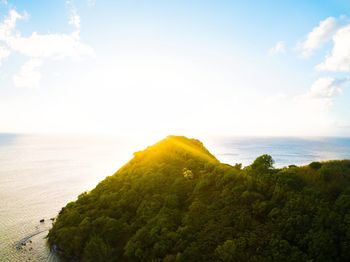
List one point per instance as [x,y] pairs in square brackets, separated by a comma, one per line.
[41,174]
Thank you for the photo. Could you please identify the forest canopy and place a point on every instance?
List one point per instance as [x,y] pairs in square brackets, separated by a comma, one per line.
[174,201]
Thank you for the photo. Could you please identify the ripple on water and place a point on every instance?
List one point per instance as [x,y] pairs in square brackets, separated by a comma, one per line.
[32,246]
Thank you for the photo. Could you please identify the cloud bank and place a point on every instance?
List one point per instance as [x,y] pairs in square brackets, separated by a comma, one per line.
[278,48]
[339,58]
[318,36]
[39,47]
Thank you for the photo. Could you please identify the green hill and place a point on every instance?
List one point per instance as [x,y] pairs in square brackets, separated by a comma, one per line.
[175,201]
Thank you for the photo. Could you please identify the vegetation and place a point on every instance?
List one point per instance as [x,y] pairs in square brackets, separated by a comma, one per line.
[175,201]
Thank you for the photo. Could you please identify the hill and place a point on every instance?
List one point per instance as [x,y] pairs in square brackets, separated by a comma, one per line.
[175,201]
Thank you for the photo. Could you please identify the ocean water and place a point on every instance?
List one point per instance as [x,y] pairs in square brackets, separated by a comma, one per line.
[40,174]
[285,151]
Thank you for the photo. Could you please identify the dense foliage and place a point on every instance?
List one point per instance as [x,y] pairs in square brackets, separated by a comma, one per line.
[175,202]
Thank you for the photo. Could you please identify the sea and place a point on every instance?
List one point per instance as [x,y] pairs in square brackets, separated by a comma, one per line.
[39,174]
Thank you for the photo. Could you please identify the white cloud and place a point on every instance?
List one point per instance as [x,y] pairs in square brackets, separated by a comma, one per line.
[54,46]
[280,47]
[339,58]
[40,46]
[28,76]
[4,52]
[317,101]
[318,36]
[9,24]
[322,92]
[309,111]
[91,3]
[325,87]
[75,21]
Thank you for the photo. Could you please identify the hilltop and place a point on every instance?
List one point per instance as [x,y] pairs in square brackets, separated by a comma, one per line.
[174,201]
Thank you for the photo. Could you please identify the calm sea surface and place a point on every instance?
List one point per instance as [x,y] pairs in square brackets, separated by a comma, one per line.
[40,174]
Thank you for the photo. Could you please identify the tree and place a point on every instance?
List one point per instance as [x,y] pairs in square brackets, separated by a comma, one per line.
[175,202]
[97,250]
[263,163]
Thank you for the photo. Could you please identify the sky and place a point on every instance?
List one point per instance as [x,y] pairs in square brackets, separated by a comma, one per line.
[187,67]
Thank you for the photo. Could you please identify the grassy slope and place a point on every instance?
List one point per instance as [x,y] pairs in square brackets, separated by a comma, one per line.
[175,201]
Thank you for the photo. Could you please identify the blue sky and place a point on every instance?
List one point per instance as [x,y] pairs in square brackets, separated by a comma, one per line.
[175,67]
